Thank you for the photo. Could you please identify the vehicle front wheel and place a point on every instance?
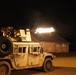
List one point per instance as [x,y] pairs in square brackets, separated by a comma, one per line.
[5,68]
[47,65]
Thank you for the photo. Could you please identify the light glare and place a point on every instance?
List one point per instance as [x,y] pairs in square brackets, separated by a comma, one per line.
[45,30]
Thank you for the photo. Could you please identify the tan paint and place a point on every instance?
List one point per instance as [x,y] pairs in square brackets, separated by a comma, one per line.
[25,54]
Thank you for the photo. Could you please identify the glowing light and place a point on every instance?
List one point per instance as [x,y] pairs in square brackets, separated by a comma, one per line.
[45,30]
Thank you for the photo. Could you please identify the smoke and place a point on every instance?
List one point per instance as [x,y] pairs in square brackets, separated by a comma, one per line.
[38,19]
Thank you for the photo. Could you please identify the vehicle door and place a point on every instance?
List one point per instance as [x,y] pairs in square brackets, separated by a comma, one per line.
[34,55]
[20,56]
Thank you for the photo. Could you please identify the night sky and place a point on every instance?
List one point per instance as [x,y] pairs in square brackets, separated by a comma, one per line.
[35,13]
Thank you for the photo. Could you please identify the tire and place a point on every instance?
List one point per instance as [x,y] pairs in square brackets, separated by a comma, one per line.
[5,68]
[6,46]
[47,65]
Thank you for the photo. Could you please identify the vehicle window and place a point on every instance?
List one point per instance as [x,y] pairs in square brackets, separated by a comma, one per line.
[24,49]
[20,49]
[35,49]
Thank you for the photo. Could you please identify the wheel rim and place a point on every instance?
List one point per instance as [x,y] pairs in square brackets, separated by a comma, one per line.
[48,65]
[3,46]
[3,70]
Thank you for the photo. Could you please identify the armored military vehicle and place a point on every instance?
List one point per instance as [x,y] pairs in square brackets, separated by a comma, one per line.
[17,51]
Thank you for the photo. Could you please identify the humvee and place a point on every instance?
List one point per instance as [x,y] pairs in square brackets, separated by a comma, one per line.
[17,51]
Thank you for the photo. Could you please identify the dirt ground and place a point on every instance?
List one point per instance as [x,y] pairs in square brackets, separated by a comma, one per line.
[65,61]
